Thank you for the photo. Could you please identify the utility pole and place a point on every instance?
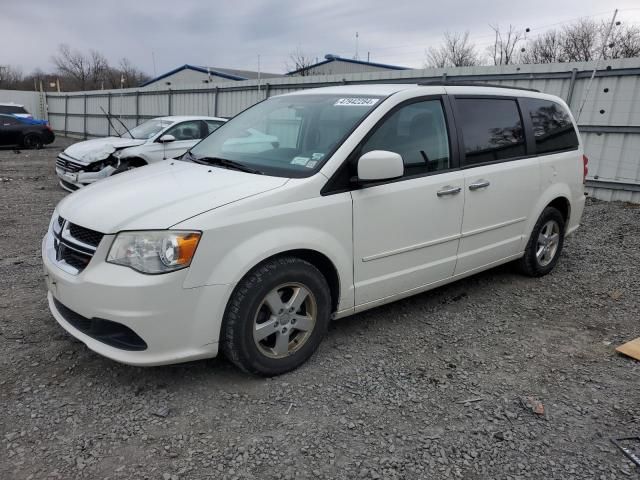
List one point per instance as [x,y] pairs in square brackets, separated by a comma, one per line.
[597,64]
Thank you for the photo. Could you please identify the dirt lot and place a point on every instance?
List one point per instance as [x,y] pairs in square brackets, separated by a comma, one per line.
[429,387]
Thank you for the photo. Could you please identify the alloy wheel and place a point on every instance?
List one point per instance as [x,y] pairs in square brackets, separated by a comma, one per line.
[285,320]
[548,241]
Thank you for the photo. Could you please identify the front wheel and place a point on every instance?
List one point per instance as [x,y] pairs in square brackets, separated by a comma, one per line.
[276,317]
[545,244]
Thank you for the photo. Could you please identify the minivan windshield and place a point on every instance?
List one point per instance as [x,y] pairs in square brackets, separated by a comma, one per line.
[287,136]
[150,128]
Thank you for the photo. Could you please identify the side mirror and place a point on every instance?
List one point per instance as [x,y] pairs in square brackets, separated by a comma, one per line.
[167,139]
[379,165]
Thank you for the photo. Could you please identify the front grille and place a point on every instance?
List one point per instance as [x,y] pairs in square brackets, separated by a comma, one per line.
[108,332]
[74,245]
[68,165]
[90,237]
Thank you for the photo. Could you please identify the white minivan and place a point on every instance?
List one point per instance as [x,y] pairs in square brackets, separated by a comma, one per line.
[362,195]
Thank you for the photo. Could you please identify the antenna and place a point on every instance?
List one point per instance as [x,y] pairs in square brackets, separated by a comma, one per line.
[109,120]
[153,59]
[356,57]
[259,75]
[605,41]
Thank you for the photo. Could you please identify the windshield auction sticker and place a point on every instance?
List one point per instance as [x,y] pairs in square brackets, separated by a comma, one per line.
[356,102]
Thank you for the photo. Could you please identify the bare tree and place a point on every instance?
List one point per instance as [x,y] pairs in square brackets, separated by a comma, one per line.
[299,63]
[125,75]
[10,77]
[547,48]
[86,71]
[582,40]
[624,41]
[503,51]
[455,51]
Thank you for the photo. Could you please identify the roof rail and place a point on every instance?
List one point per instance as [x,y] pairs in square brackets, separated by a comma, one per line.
[471,84]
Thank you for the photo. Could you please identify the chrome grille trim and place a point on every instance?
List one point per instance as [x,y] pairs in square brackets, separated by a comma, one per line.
[66,251]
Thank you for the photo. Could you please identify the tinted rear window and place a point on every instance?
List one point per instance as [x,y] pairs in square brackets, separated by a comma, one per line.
[12,109]
[552,127]
[491,129]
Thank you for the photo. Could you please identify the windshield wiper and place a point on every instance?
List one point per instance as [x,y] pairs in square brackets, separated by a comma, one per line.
[225,163]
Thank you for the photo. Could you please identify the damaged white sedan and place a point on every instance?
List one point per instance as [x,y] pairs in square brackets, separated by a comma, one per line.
[154,140]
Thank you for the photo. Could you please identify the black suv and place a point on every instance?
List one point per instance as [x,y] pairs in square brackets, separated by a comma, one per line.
[24,132]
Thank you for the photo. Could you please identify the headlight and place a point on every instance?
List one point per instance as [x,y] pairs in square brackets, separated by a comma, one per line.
[154,251]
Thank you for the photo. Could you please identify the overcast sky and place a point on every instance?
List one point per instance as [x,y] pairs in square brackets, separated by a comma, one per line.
[233,33]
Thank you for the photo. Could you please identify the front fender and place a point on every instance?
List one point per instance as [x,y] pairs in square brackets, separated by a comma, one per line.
[251,251]
[133,152]
[241,235]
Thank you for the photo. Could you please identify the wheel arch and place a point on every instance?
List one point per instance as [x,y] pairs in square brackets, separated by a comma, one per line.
[319,260]
[557,195]
[135,160]
[563,205]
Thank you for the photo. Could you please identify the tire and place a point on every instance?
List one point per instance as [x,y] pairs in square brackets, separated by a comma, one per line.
[545,244]
[261,333]
[32,140]
[128,165]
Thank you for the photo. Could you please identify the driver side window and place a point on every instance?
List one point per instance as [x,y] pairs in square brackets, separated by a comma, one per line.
[418,133]
[191,130]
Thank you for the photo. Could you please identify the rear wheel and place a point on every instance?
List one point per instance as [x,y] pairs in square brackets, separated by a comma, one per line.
[32,140]
[276,317]
[545,244]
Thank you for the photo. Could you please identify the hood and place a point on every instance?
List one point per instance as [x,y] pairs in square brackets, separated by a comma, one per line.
[160,195]
[99,148]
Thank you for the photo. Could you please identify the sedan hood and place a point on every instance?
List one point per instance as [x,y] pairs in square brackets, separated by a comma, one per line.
[99,148]
[160,195]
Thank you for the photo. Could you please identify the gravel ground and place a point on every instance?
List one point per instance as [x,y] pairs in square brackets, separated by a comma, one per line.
[428,387]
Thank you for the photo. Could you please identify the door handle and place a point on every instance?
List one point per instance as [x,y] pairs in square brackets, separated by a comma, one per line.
[448,190]
[479,184]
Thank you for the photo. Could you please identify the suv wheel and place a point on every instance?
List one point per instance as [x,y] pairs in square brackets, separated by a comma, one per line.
[276,317]
[545,244]
[32,140]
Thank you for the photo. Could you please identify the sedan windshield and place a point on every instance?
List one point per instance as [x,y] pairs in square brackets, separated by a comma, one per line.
[149,129]
[288,136]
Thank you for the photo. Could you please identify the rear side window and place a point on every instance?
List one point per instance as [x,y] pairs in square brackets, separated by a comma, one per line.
[491,129]
[12,109]
[552,127]
[7,121]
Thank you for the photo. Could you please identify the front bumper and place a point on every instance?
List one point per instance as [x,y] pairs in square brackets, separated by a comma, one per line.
[177,324]
[72,174]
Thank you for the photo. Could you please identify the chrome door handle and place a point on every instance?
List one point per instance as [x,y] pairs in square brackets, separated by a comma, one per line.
[449,190]
[479,184]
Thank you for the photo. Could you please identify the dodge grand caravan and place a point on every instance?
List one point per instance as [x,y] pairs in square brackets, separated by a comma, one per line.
[363,195]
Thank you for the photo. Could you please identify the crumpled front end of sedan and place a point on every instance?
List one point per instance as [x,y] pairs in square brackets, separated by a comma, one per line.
[73,174]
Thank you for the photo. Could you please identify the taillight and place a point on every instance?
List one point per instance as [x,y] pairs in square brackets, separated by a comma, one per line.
[585,168]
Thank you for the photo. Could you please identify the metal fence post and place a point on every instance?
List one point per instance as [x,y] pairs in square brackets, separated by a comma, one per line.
[215,102]
[108,114]
[137,107]
[66,113]
[84,117]
[572,84]
[169,101]
[267,87]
